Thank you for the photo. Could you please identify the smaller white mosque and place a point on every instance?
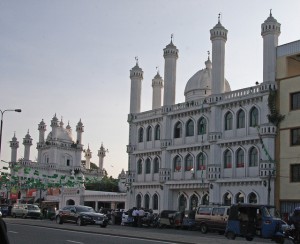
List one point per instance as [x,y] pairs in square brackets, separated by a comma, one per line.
[58,164]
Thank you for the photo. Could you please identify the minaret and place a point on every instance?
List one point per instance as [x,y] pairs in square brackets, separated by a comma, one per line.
[42,129]
[157,84]
[270,31]
[171,56]
[54,125]
[136,76]
[79,130]
[14,144]
[101,155]
[27,142]
[88,156]
[218,37]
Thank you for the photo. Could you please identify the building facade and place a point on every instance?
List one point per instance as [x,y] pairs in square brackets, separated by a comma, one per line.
[217,146]
[287,151]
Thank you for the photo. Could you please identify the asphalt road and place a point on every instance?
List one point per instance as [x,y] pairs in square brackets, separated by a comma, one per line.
[28,231]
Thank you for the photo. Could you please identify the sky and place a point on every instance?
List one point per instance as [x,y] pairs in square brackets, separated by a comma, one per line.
[72,58]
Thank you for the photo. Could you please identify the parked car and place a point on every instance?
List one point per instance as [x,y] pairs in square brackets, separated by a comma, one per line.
[166,218]
[26,211]
[212,218]
[81,215]
[4,210]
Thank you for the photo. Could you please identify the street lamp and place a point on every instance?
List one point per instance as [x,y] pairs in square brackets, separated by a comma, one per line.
[2,112]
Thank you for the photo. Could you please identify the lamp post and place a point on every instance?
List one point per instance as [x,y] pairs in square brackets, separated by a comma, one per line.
[1,126]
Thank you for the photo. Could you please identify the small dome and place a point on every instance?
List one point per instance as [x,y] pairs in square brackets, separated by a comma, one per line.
[199,85]
[62,135]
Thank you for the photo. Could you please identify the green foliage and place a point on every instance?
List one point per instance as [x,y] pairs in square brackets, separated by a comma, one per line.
[106,184]
[274,117]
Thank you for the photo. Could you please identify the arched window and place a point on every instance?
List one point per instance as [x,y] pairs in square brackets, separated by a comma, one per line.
[240,158]
[138,201]
[253,157]
[227,199]
[177,163]
[228,121]
[141,134]
[148,166]
[240,119]
[202,126]
[156,166]
[157,132]
[205,199]
[201,161]
[239,198]
[227,159]
[182,203]
[252,198]
[193,202]
[146,201]
[254,117]
[189,163]
[149,133]
[178,130]
[155,202]
[190,128]
[139,167]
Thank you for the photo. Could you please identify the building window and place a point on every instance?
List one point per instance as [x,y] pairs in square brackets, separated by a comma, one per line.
[252,198]
[227,159]
[155,202]
[156,166]
[138,201]
[157,132]
[240,158]
[295,137]
[227,199]
[240,119]
[139,167]
[201,162]
[202,126]
[253,157]
[295,101]
[295,173]
[189,163]
[254,117]
[190,128]
[141,134]
[68,162]
[177,164]
[148,166]
[228,121]
[178,130]
[239,198]
[146,201]
[149,133]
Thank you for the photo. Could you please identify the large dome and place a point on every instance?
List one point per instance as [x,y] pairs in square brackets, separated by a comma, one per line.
[62,135]
[199,85]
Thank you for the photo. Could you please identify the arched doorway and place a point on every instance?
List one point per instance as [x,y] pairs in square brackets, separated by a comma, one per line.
[227,199]
[193,202]
[70,202]
[205,200]
[182,203]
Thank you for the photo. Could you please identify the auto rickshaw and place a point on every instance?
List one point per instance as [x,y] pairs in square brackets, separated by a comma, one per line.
[250,220]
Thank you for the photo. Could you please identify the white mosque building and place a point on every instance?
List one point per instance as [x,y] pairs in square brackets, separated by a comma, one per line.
[59,162]
[217,146]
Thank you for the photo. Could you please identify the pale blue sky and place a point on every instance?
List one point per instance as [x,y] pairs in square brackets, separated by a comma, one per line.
[72,58]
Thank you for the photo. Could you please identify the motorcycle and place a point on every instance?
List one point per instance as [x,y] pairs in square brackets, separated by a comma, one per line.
[292,234]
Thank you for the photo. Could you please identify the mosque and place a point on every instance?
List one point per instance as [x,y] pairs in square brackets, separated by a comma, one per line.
[217,146]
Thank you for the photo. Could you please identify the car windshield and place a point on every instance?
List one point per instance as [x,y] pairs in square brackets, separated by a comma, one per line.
[32,207]
[271,212]
[85,209]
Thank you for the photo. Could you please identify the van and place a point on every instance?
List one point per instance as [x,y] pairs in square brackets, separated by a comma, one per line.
[212,218]
[26,210]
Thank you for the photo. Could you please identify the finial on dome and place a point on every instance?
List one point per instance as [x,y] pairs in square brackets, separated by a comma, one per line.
[219,18]
[157,69]
[172,36]
[136,60]
[270,12]
[208,53]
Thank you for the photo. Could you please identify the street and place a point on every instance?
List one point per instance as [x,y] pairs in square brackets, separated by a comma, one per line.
[30,231]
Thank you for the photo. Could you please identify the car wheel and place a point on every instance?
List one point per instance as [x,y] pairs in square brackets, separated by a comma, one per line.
[79,222]
[103,226]
[59,220]
[230,235]
[249,238]
[203,228]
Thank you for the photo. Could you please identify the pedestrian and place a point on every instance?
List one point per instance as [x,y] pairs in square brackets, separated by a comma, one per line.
[135,214]
[141,216]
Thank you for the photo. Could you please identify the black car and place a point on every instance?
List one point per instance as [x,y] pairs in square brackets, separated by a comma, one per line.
[81,215]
